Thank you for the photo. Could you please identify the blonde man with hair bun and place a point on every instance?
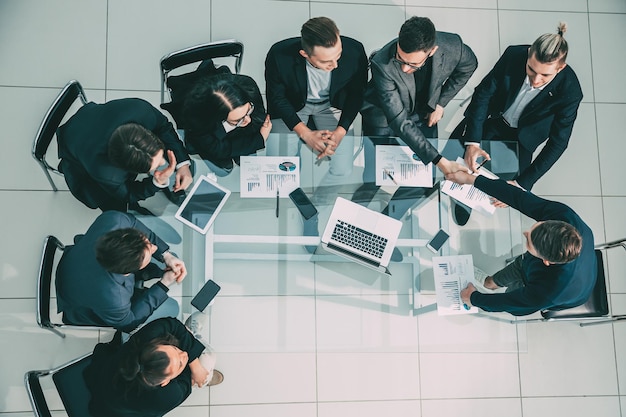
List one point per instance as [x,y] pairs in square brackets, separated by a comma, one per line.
[530,96]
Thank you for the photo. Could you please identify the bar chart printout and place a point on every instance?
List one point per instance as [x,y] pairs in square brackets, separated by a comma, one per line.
[452,274]
[398,165]
[262,176]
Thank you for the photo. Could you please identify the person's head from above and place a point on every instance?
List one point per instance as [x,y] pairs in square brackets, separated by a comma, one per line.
[124,251]
[416,43]
[546,57]
[152,364]
[136,149]
[553,241]
[321,44]
[218,97]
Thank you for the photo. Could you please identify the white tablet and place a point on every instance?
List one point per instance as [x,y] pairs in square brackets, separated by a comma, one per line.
[203,203]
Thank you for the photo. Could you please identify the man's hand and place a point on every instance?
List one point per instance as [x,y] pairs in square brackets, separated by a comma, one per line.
[163,176]
[461,177]
[183,178]
[472,152]
[174,266]
[466,293]
[335,137]
[199,374]
[448,167]
[435,116]
[266,127]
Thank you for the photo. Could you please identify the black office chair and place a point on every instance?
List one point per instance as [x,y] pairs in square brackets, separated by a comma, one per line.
[596,309]
[44,284]
[51,121]
[70,385]
[199,53]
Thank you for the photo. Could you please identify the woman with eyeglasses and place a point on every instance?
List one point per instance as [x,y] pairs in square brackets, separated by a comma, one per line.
[224,118]
[151,374]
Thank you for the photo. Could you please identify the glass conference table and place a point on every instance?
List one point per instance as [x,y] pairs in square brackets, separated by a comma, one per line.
[249,244]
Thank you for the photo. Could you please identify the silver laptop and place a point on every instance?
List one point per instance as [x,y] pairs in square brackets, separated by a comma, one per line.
[361,235]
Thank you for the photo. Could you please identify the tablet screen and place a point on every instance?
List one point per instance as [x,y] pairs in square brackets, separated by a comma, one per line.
[202,204]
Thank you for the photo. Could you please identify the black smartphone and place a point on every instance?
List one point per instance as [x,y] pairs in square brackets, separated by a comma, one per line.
[302,202]
[437,241]
[206,294]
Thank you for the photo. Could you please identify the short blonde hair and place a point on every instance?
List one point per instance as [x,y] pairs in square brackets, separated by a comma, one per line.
[551,47]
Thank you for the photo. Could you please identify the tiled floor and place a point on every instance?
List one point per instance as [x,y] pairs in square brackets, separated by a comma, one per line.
[334,354]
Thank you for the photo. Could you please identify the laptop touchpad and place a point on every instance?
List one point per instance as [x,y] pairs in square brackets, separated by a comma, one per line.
[369,218]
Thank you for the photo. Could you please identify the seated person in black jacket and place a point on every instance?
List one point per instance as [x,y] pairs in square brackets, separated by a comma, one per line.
[96,277]
[151,374]
[223,118]
[103,147]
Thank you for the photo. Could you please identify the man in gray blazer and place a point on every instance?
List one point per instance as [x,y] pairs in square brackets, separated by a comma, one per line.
[97,277]
[413,78]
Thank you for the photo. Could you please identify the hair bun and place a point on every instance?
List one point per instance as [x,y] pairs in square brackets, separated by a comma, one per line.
[562,28]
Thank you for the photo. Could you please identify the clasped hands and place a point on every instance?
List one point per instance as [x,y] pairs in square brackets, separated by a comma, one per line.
[324,142]
[175,270]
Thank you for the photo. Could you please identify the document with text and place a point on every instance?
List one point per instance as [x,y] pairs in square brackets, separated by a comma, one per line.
[468,194]
[265,176]
[452,274]
[398,165]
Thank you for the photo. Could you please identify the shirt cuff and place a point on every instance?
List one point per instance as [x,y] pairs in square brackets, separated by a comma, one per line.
[163,286]
[472,143]
[182,164]
[156,184]
[436,159]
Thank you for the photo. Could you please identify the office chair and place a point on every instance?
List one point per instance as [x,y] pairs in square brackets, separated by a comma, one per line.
[51,122]
[70,385]
[199,53]
[44,284]
[596,309]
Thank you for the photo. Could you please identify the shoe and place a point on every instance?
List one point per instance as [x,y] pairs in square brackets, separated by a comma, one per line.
[198,323]
[217,378]
[460,214]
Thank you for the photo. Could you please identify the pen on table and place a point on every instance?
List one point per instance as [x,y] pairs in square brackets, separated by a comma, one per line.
[390,176]
[277,202]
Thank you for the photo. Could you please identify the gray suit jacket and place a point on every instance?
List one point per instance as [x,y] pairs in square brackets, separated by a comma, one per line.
[390,97]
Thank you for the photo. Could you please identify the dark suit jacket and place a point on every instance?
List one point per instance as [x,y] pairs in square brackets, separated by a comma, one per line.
[390,96]
[550,115]
[210,140]
[555,286]
[108,397]
[87,294]
[286,81]
[83,146]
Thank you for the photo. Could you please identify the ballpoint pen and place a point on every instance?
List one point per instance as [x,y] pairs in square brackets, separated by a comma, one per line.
[481,164]
[277,202]
[390,176]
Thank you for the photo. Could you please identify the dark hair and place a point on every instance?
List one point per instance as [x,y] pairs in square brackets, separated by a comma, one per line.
[142,366]
[318,31]
[121,251]
[550,47]
[556,241]
[211,99]
[132,147]
[417,34]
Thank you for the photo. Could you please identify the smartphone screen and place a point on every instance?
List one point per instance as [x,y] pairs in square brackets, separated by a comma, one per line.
[437,241]
[206,294]
[302,202]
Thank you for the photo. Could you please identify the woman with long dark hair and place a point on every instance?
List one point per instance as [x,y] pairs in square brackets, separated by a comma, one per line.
[151,374]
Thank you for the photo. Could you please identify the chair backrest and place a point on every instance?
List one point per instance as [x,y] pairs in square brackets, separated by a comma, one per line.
[199,53]
[70,385]
[597,304]
[44,281]
[51,121]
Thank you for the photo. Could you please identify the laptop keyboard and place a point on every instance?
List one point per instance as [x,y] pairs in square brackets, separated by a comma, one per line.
[359,239]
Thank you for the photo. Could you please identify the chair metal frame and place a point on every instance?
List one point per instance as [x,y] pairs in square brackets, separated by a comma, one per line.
[44,285]
[35,392]
[198,53]
[50,123]
[587,320]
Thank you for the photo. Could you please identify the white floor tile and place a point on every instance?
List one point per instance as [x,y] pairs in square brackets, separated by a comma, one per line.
[260,378]
[607,6]
[365,323]
[478,375]
[556,6]
[492,407]
[274,410]
[189,411]
[609,130]
[480,4]
[367,376]
[553,348]
[607,60]
[369,408]
[571,406]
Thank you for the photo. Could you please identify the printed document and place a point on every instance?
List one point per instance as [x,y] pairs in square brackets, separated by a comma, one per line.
[398,165]
[468,194]
[452,274]
[262,176]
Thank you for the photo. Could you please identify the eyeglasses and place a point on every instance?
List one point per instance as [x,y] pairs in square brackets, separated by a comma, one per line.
[418,67]
[239,122]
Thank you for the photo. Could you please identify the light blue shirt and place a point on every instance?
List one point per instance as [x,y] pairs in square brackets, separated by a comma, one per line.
[318,85]
[525,96]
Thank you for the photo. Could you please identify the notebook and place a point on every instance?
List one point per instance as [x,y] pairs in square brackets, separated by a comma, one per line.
[203,203]
[361,235]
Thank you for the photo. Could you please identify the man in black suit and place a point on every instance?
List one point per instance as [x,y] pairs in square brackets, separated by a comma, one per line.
[531,95]
[320,75]
[97,277]
[104,146]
